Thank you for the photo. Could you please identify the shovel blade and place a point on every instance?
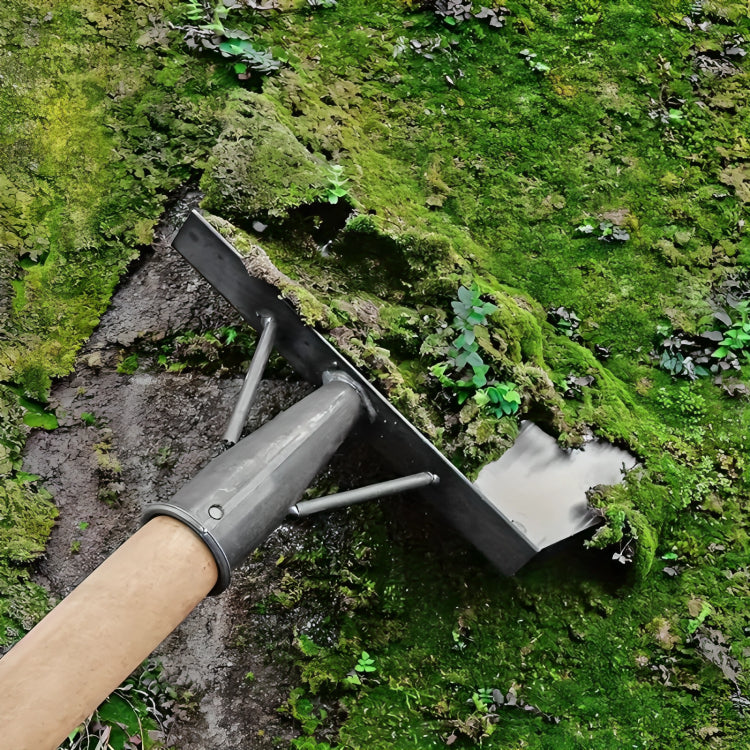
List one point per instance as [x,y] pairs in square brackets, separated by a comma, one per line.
[542,487]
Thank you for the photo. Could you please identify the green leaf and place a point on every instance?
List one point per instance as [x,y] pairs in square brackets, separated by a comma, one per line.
[481,398]
[462,359]
[233,46]
[465,296]
[474,360]
[675,115]
[480,376]
[438,370]
[513,397]
[488,308]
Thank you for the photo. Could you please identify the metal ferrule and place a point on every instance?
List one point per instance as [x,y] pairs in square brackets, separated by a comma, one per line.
[239,498]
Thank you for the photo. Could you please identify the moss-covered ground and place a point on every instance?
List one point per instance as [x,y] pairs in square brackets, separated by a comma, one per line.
[582,156]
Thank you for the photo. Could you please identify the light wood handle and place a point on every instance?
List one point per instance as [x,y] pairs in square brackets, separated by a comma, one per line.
[58,674]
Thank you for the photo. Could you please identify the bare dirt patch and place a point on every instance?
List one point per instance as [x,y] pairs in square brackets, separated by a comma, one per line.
[140,438]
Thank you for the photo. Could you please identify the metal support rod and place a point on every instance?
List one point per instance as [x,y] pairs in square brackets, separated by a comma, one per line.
[362,494]
[252,381]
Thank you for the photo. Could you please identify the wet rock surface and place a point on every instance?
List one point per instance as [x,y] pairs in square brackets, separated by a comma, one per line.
[142,436]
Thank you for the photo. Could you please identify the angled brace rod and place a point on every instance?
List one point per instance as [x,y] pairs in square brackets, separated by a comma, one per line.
[252,380]
[362,494]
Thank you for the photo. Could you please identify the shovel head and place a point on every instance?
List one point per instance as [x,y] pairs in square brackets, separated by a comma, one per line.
[507,523]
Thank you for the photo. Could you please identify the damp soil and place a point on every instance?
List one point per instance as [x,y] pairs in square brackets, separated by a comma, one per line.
[160,428]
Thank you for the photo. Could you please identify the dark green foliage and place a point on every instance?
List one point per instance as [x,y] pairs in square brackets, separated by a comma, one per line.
[136,715]
[737,337]
[26,519]
[212,35]
[566,322]
[336,188]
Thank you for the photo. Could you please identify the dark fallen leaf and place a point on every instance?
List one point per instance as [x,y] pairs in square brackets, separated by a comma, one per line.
[723,317]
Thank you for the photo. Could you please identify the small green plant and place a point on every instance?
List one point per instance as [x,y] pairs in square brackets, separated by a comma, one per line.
[248,60]
[365,665]
[229,333]
[607,231]
[88,418]
[692,357]
[128,365]
[737,337]
[164,458]
[234,44]
[502,399]
[565,322]
[302,709]
[75,546]
[136,715]
[536,66]
[193,10]
[499,398]
[695,622]
[336,188]
[484,697]
[470,311]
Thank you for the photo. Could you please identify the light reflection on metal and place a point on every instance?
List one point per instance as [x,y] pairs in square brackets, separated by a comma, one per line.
[544,487]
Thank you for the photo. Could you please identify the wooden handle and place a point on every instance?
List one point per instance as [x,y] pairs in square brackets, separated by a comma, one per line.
[58,674]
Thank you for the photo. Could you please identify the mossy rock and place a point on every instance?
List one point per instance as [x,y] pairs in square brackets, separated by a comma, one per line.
[258,169]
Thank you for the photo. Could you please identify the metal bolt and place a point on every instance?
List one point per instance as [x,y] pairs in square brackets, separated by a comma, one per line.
[216,512]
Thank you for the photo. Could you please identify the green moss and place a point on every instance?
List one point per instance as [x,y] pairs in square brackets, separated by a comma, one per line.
[258,169]
[26,519]
[94,134]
